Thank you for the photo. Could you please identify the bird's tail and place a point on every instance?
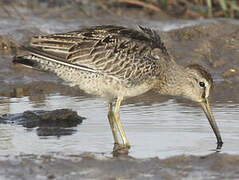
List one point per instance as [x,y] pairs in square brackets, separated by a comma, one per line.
[25,60]
[38,59]
[45,61]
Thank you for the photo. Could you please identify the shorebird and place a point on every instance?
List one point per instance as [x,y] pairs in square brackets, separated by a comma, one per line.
[115,63]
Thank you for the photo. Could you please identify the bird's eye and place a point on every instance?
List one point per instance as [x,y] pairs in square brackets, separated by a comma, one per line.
[202,84]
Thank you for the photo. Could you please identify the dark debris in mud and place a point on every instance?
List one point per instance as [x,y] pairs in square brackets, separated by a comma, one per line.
[48,123]
[7,46]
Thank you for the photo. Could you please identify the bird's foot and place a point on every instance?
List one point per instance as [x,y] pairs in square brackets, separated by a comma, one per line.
[219,145]
[120,150]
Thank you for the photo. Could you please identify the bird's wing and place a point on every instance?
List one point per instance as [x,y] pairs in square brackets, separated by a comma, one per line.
[112,50]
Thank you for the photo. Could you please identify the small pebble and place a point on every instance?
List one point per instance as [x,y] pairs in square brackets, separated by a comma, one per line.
[229,73]
[219,63]
[51,176]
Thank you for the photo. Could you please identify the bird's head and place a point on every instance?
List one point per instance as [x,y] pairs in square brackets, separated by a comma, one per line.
[199,83]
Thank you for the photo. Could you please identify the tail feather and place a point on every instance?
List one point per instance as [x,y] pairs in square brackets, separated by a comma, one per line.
[40,59]
[25,61]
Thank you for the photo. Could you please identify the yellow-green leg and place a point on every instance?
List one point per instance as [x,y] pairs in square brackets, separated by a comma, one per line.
[112,122]
[118,123]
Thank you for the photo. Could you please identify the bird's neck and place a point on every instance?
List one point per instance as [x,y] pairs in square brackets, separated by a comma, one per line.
[171,80]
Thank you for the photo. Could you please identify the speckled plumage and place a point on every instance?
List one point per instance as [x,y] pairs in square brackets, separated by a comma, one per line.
[116,62]
[120,60]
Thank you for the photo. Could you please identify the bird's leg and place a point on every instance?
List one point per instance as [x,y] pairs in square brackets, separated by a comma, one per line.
[118,123]
[112,123]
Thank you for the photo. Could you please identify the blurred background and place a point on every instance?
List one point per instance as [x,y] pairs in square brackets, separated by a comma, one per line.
[189,9]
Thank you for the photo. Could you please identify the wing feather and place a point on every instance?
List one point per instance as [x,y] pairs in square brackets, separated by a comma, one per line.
[113,50]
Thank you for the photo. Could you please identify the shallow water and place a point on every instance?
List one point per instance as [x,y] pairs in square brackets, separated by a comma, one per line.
[158,129]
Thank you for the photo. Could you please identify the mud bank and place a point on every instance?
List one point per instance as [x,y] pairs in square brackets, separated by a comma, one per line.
[86,166]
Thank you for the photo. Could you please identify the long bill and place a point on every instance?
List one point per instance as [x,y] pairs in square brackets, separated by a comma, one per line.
[207,110]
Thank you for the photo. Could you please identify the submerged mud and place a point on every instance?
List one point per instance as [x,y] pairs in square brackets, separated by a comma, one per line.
[49,123]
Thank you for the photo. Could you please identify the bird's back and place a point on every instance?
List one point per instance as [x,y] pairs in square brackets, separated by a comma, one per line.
[100,53]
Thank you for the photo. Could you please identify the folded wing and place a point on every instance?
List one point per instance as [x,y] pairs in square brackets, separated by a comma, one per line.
[111,50]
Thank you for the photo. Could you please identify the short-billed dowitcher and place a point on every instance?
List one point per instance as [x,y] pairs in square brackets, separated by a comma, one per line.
[115,63]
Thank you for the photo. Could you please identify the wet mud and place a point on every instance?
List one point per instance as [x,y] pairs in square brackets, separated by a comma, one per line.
[88,166]
[212,43]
